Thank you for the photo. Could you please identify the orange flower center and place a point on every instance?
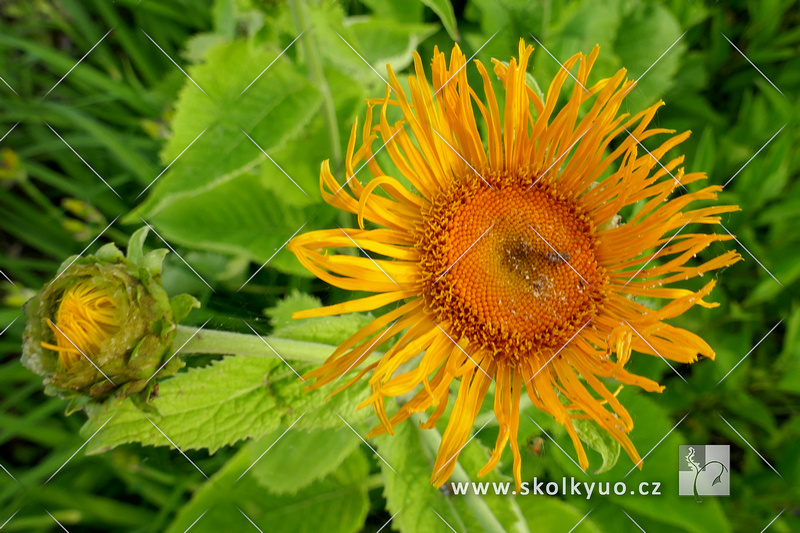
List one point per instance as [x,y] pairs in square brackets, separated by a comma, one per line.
[86,317]
[511,266]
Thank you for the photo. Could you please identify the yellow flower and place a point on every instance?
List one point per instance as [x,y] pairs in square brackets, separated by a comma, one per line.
[507,253]
[86,317]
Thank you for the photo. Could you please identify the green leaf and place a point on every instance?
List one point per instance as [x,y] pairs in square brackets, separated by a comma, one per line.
[135,252]
[600,441]
[785,267]
[326,330]
[272,110]
[182,305]
[706,154]
[281,314]
[407,11]
[298,458]
[551,514]
[154,260]
[387,41]
[578,27]
[361,46]
[203,408]
[321,411]
[224,12]
[473,457]
[648,31]
[790,381]
[791,341]
[215,197]
[302,157]
[238,216]
[766,177]
[235,398]
[444,10]
[661,465]
[338,503]
[408,491]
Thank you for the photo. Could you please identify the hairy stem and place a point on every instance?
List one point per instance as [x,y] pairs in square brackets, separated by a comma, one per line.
[212,341]
[225,342]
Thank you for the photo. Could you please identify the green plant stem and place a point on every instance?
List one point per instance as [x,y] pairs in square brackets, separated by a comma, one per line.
[432,439]
[225,342]
[316,72]
[211,341]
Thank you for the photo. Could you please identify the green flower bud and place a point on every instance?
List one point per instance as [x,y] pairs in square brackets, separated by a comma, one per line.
[104,325]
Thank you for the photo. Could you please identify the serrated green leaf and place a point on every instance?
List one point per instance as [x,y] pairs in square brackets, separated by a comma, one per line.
[302,157]
[409,492]
[338,503]
[326,330]
[203,408]
[235,398]
[239,216]
[215,196]
[273,110]
[320,411]
[600,441]
[298,458]
[281,314]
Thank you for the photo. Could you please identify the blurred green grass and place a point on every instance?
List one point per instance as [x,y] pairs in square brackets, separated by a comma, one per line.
[118,109]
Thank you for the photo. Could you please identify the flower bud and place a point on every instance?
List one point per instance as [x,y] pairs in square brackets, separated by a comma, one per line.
[104,325]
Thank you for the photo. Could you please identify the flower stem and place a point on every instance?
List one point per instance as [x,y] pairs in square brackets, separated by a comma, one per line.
[477,505]
[225,342]
[316,72]
[213,341]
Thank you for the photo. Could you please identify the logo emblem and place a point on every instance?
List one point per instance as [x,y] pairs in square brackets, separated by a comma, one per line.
[704,470]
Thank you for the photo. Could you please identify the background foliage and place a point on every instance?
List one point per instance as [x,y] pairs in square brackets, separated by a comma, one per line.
[227,204]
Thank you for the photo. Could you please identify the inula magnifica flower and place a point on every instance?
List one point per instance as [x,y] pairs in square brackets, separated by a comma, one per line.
[104,325]
[497,240]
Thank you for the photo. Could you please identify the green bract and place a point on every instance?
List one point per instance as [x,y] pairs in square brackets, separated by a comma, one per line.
[140,347]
